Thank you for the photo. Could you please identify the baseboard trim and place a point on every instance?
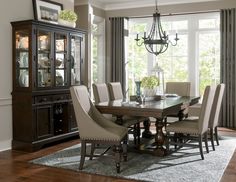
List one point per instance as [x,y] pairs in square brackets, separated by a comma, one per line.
[5,145]
[5,101]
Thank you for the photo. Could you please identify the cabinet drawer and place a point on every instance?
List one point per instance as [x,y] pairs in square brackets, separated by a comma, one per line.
[43,99]
[61,97]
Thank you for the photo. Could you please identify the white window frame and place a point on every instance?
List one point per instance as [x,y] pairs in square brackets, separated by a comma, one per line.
[193,53]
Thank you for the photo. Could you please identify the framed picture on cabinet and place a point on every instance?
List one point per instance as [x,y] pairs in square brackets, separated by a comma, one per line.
[47,11]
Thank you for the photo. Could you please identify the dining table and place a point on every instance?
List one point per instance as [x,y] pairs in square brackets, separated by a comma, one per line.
[158,109]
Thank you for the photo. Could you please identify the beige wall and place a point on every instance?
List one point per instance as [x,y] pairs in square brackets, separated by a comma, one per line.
[84,22]
[11,10]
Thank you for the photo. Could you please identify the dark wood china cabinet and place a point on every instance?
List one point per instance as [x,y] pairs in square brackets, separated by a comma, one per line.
[47,60]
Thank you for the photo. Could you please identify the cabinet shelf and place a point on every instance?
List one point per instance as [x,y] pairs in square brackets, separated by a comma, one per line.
[22,50]
[45,51]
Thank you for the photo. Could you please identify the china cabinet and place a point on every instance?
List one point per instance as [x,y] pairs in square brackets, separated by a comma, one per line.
[47,60]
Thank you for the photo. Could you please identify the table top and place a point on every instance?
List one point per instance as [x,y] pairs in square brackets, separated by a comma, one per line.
[153,108]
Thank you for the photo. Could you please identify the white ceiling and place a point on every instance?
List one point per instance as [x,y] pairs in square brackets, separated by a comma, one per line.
[124,4]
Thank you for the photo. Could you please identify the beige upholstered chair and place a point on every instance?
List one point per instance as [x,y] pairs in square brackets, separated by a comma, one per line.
[115,91]
[94,128]
[215,112]
[101,94]
[198,128]
[179,88]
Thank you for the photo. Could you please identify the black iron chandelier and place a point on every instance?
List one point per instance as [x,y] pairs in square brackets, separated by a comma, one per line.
[157,41]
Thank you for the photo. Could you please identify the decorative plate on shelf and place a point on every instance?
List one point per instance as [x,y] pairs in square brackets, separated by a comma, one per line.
[59,79]
[24,79]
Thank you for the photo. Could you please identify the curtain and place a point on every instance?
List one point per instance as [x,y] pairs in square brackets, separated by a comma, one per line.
[228,67]
[118,72]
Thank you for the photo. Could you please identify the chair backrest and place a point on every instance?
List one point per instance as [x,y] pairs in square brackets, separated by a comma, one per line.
[100,92]
[179,88]
[92,125]
[215,111]
[206,109]
[115,91]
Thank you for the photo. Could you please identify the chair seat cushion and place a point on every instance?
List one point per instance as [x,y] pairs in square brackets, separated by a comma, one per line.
[184,126]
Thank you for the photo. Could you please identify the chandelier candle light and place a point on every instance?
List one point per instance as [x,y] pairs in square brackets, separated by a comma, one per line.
[157,41]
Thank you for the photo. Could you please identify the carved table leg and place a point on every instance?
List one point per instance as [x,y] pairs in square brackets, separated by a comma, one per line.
[119,120]
[147,133]
[159,138]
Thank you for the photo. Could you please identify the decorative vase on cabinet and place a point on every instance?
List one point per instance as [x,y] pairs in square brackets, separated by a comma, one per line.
[42,68]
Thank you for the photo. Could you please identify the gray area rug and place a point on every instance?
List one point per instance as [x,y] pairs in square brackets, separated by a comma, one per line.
[183,165]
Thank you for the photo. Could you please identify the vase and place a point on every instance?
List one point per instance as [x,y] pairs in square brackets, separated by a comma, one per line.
[150,92]
[138,85]
[66,23]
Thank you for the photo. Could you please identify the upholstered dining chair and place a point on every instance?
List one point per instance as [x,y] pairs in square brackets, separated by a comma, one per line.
[198,128]
[181,89]
[101,94]
[115,92]
[214,116]
[94,128]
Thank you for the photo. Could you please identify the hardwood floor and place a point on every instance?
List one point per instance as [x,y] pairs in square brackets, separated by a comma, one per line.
[14,166]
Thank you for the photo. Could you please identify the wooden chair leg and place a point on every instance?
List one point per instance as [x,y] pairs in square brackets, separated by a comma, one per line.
[216,135]
[138,132]
[118,152]
[206,142]
[167,142]
[82,155]
[200,146]
[135,134]
[175,139]
[92,151]
[212,138]
[125,148]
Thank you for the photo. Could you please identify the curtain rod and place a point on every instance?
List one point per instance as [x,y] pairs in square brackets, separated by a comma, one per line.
[173,14]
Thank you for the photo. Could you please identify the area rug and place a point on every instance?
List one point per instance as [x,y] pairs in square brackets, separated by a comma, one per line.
[183,165]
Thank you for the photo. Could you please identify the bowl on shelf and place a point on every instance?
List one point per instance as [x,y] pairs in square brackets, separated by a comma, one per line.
[44,63]
[58,62]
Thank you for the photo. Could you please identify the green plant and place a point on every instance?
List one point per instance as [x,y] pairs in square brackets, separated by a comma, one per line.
[68,15]
[150,82]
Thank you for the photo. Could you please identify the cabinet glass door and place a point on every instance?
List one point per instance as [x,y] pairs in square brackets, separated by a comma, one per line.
[75,59]
[22,58]
[44,67]
[60,63]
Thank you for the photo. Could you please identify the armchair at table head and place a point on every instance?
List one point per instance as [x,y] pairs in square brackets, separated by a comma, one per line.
[94,128]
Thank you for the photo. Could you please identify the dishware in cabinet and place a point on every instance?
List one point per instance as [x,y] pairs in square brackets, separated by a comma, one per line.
[42,69]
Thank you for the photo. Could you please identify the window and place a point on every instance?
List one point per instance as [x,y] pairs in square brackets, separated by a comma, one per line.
[98,50]
[196,58]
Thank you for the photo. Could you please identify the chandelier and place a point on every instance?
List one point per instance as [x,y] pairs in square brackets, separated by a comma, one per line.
[157,40]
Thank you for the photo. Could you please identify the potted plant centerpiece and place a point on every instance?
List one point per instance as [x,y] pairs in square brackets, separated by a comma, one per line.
[67,18]
[149,85]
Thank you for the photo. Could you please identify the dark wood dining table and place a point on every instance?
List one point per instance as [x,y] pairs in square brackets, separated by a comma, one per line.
[158,109]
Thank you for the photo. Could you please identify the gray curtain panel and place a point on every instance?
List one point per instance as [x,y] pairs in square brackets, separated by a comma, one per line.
[228,66]
[118,51]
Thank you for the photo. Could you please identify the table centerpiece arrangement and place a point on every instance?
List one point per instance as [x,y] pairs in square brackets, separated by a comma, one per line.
[149,86]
